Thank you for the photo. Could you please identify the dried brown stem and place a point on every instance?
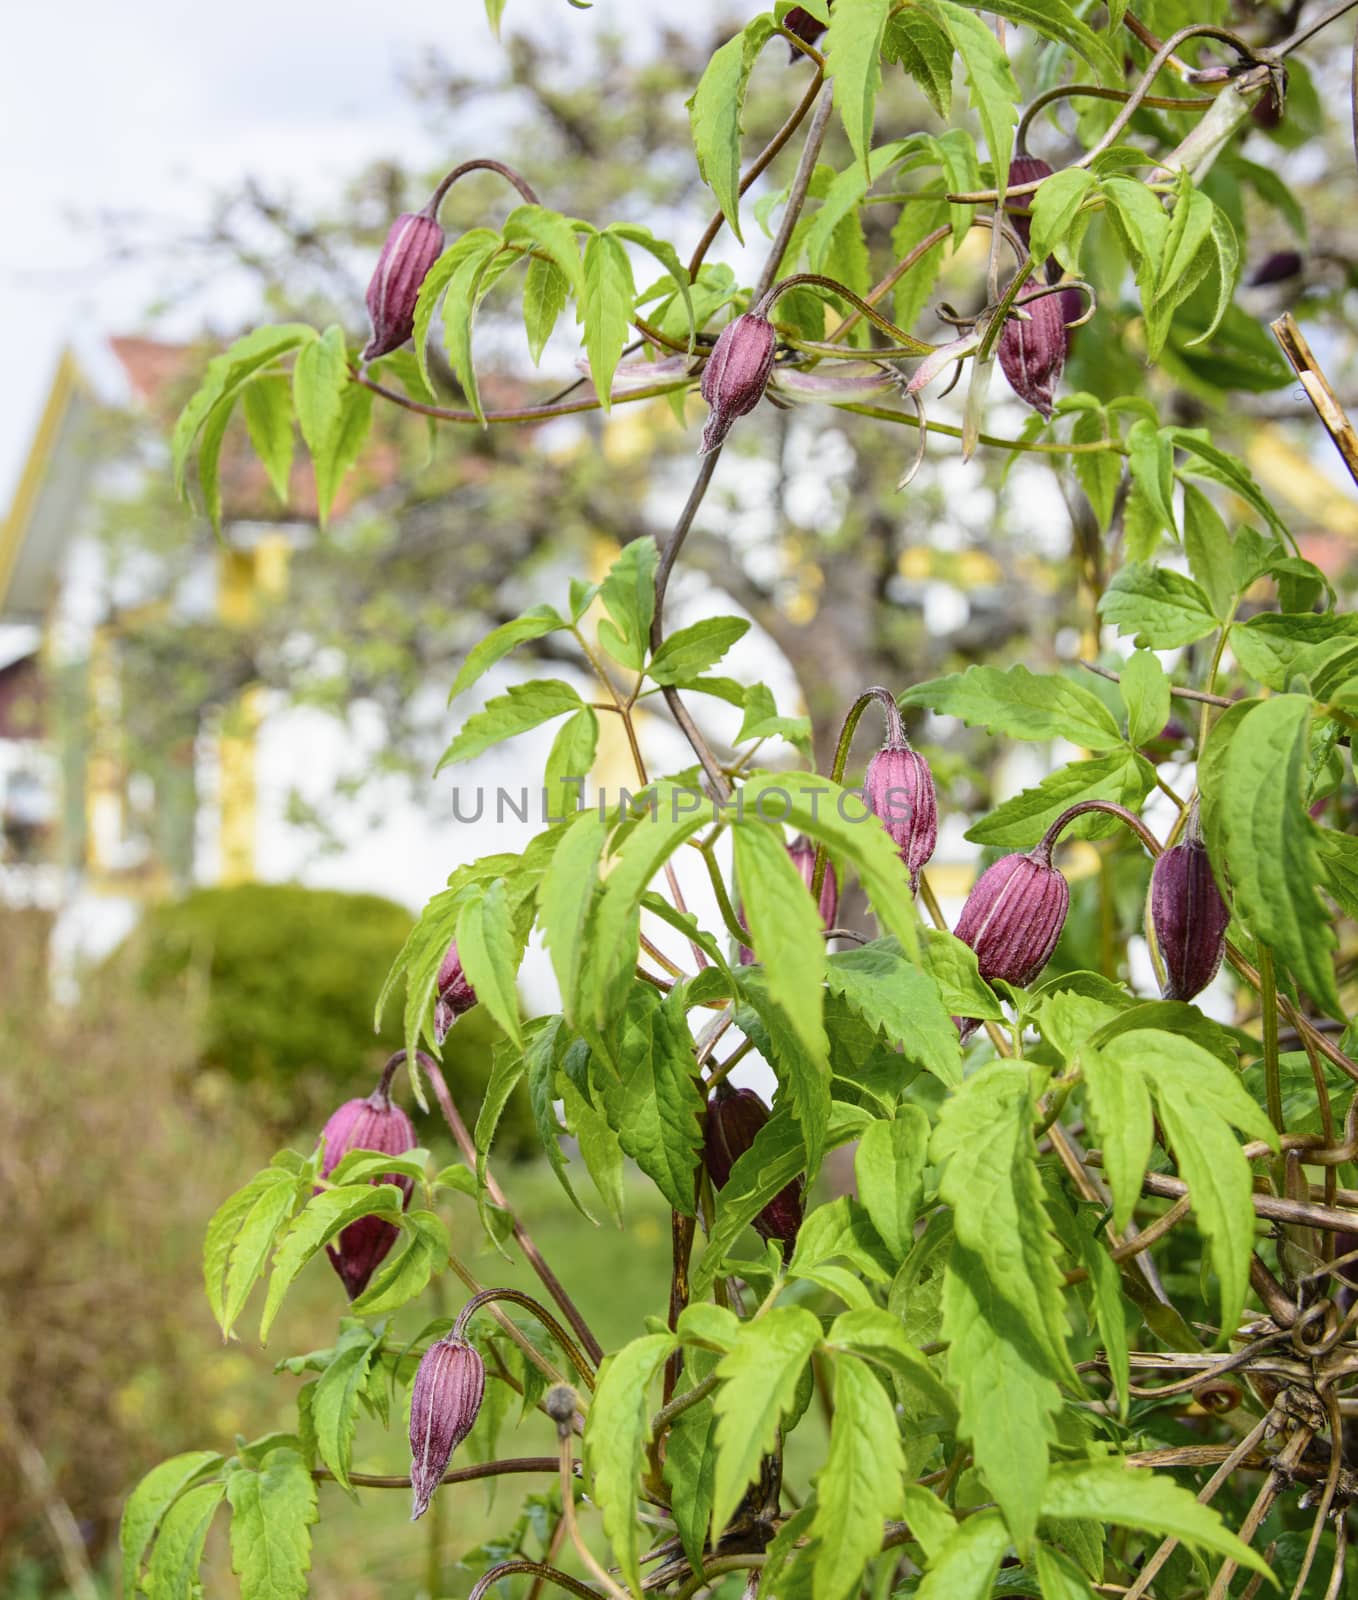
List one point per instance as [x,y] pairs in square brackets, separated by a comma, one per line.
[1334,419]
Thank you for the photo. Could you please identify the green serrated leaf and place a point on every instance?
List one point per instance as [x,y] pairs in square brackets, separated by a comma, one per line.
[984,1139]
[889,1168]
[178,1552]
[270,1210]
[918,38]
[552,234]
[1262,837]
[837,818]
[604,308]
[1054,207]
[1270,646]
[545,292]
[521,707]
[1059,1578]
[1022,704]
[715,109]
[1161,608]
[1197,1099]
[694,649]
[335,1401]
[965,1566]
[267,403]
[628,595]
[150,1501]
[1145,694]
[690,1469]
[1124,777]
[475,246]
[660,830]
[489,955]
[401,1278]
[224,1230]
[226,375]
[325,1215]
[496,645]
[994,93]
[860,1485]
[853,49]
[564,901]
[786,932]
[668,257]
[760,1376]
[916,222]
[616,1431]
[1132,1497]
[1007,1399]
[657,1103]
[272,1510]
[903,1001]
[320,380]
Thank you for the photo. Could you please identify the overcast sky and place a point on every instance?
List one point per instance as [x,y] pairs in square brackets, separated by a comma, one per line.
[153,104]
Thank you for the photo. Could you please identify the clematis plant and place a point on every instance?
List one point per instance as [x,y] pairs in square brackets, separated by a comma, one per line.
[1011,1271]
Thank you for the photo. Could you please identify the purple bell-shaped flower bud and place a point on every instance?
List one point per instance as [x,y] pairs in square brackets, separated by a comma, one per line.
[1014,915]
[898,787]
[372,1124]
[803,856]
[455,994]
[1189,917]
[414,244]
[444,1404]
[1033,352]
[736,374]
[734,1117]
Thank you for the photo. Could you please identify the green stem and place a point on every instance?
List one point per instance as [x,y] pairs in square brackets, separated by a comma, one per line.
[714,1568]
[995,327]
[1129,818]
[1158,61]
[728,911]
[517,1297]
[681,1403]
[947,430]
[1268,996]
[846,733]
[565,408]
[818,280]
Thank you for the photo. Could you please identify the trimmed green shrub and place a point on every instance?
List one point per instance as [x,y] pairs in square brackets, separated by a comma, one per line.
[287,977]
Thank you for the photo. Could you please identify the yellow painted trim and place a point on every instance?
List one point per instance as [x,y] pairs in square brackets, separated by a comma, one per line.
[1299,482]
[66,383]
[239,789]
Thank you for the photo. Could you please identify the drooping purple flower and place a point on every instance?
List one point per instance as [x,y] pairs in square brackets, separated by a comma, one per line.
[805,26]
[898,787]
[414,244]
[1033,352]
[1276,268]
[444,1404]
[734,1117]
[1024,169]
[372,1124]
[1189,917]
[1014,915]
[736,375]
[455,994]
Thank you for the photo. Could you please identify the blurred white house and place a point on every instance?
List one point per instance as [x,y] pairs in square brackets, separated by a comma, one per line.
[83,832]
